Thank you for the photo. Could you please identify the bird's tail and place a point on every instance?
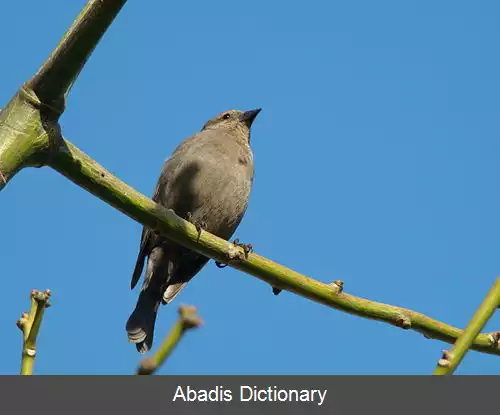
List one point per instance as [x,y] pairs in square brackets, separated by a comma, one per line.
[141,323]
[160,269]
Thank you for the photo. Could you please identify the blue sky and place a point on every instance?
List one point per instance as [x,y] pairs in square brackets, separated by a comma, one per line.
[376,163]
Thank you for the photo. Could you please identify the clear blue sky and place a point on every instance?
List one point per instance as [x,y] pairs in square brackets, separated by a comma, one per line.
[377,162]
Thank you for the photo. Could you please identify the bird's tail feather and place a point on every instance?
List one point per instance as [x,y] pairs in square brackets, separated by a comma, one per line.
[172,291]
[141,323]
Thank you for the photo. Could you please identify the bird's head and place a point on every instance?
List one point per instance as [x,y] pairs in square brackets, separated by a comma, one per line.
[236,121]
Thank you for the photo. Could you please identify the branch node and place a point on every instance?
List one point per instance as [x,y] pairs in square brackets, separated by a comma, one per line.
[337,285]
[238,251]
[21,323]
[30,352]
[235,253]
[445,360]
[403,321]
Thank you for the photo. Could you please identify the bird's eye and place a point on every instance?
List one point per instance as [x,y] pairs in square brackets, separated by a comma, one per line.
[226,116]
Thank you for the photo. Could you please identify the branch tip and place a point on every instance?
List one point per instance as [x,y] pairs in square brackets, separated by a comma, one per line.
[495,338]
[41,297]
[189,317]
[30,323]
[147,366]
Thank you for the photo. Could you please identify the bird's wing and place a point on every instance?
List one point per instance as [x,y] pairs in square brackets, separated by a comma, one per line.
[148,238]
[189,264]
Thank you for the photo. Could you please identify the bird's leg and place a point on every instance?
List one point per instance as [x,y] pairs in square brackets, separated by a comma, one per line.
[200,225]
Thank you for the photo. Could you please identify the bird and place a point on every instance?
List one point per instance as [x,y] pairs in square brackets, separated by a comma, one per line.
[207,180]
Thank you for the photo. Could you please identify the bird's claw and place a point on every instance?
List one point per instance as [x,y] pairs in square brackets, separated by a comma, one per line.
[247,248]
[199,225]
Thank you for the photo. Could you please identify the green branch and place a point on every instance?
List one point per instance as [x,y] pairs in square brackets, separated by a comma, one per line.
[87,173]
[24,140]
[29,324]
[55,77]
[29,121]
[188,319]
[451,359]
[30,137]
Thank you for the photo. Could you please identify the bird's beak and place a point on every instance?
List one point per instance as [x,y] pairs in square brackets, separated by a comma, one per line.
[248,117]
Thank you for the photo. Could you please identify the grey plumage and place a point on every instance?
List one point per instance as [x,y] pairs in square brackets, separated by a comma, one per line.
[207,180]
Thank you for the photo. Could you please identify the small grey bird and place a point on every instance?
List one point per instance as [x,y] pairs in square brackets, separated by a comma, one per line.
[207,181]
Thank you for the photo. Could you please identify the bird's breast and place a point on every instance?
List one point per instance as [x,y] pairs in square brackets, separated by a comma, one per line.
[214,186]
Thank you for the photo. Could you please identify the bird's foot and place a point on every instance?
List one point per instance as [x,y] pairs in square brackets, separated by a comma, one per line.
[200,225]
[247,248]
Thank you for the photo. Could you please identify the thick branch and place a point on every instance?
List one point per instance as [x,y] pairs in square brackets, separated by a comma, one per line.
[24,135]
[30,323]
[188,319]
[451,359]
[56,76]
[29,121]
[82,170]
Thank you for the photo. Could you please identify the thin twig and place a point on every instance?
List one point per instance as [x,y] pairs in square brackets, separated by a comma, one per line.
[452,358]
[30,323]
[188,319]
